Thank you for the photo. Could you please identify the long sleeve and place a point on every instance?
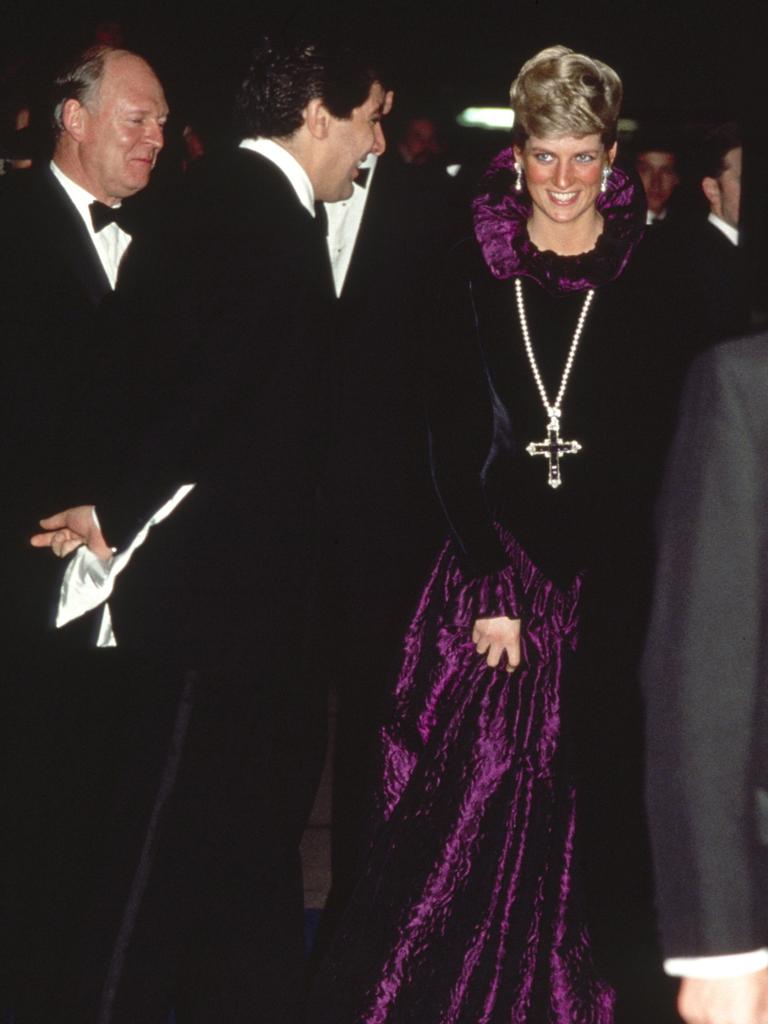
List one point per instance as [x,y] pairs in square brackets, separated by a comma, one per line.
[464,417]
[704,661]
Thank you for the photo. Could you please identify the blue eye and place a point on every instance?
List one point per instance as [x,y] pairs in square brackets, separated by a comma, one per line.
[585,158]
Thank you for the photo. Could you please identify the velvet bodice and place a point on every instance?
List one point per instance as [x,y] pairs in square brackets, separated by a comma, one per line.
[485,407]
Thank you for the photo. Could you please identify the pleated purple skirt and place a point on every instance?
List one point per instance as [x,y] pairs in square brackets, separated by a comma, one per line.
[468,911]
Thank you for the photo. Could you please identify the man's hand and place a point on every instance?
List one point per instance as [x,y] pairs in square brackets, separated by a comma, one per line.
[495,637]
[67,530]
[739,1000]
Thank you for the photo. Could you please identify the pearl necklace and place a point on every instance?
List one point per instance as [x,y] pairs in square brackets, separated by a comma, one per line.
[553,447]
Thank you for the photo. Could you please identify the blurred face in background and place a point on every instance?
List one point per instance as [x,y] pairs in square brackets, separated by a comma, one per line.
[658,173]
[420,142]
[724,192]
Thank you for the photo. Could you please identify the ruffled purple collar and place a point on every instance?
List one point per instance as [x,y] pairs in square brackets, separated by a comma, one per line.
[501,227]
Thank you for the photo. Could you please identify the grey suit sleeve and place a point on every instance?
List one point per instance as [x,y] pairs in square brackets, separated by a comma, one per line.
[703,669]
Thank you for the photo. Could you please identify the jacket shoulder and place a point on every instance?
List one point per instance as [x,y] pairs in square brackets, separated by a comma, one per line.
[738,361]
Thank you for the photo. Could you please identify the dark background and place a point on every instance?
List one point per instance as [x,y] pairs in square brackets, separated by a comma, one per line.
[704,58]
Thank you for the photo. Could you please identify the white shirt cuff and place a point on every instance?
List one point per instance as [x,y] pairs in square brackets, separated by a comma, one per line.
[89,582]
[729,966]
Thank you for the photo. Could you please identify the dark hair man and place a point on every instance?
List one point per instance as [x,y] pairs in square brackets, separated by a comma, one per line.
[720,172]
[711,262]
[693,262]
[234,298]
[657,167]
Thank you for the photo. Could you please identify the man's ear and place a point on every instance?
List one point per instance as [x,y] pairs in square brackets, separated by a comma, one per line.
[711,190]
[73,117]
[317,118]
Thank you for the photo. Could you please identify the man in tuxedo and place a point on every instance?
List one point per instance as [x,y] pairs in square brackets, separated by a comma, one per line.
[233,390]
[713,251]
[695,268]
[60,275]
[704,677]
[656,166]
[695,263]
[59,267]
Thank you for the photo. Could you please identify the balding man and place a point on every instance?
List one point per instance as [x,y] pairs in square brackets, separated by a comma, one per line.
[59,272]
[64,236]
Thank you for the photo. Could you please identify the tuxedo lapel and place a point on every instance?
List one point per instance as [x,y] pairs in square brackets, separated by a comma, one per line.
[254,175]
[390,225]
[370,234]
[69,236]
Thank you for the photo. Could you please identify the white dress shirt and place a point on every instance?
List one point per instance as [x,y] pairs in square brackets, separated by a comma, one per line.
[344,219]
[89,581]
[730,232]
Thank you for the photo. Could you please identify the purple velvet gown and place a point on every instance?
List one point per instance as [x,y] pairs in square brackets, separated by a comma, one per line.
[467,910]
[469,907]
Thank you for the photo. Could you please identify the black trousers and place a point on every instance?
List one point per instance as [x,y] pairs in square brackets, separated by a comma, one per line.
[159,811]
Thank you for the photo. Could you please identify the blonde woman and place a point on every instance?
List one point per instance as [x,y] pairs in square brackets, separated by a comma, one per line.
[470,907]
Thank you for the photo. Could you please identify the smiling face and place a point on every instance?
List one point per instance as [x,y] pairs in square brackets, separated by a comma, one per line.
[563,177]
[119,131]
[348,143]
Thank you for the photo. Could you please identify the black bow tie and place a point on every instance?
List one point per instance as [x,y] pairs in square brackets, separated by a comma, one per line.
[101,215]
[362,176]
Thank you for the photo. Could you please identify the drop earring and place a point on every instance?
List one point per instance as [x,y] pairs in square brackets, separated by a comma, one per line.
[604,178]
[518,178]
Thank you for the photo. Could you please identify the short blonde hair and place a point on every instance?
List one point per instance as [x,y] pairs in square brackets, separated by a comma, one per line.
[559,92]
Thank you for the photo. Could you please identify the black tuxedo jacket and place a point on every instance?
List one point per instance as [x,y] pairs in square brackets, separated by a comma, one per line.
[382,519]
[218,376]
[700,280]
[229,387]
[56,345]
[705,664]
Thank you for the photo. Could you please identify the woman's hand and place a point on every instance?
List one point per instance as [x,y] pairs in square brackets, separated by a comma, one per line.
[495,637]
